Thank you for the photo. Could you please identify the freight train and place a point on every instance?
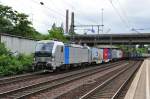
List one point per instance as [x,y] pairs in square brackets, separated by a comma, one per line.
[51,55]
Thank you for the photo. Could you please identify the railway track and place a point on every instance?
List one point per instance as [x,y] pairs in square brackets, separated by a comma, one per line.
[112,87]
[30,76]
[49,84]
[13,79]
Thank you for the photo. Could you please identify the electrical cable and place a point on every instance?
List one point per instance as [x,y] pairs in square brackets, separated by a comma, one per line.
[127,19]
[124,13]
[116,10]
[53,11]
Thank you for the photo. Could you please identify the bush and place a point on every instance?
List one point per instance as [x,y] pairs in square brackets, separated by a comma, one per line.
[10,65]
[3,49]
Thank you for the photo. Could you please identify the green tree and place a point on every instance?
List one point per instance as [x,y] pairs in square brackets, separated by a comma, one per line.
[6,17]
[16,23]
[5,25]
[22,26]
[57,33]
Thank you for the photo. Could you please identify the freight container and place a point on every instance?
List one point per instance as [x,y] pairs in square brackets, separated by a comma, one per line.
[114,54]
[105,55]
[100,59]
[95,55]
[109,54]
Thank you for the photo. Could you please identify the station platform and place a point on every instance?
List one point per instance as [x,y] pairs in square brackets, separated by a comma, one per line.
[140,87]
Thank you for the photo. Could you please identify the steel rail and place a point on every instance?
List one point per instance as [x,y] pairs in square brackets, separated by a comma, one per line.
[104,83]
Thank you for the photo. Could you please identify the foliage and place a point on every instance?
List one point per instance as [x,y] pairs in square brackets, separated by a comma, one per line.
[16,23]
[10,65]
[5,25]
[72,33]
[3,49]
[56,33]
[142,50]
[138,50]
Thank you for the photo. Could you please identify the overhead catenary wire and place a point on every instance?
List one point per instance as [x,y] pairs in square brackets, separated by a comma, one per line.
[79,11]
[139,29]
[54,11]
[124,18]
[127,19]
[124,13]
[49,9]
[64,10]
[118,13]
[53,4]
[59,16]
[145,28]
[54,19]
[129,22]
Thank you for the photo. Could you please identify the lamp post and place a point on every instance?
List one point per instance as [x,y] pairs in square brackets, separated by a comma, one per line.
[102,20]
[41,3]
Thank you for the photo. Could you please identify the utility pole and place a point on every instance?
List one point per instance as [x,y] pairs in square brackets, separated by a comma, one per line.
[67,21]
[101,25]
[102,20]
[111,41]
[98,29]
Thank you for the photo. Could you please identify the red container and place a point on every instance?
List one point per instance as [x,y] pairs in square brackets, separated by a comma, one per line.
[105,54]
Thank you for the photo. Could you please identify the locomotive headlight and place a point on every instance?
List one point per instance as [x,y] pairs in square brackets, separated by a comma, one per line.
[33,59]
[53,59]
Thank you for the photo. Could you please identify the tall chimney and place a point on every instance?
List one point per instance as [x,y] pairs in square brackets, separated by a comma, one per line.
[67,21]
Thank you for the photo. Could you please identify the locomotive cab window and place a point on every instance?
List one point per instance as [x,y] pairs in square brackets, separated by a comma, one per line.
[44,47]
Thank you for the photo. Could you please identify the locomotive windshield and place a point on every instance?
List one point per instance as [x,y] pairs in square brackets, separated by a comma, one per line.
[44,47]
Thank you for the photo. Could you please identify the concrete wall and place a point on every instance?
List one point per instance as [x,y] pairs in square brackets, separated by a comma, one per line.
[18,44]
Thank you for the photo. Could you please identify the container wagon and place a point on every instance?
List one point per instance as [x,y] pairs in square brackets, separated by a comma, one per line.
[105,55]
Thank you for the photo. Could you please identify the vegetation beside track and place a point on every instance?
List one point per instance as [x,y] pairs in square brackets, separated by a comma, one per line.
[11,64]
[17,23]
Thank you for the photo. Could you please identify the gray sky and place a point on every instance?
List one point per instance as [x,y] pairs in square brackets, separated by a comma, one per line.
[120,16]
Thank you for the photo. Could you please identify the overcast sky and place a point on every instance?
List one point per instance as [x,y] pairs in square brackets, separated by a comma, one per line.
[120,16]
